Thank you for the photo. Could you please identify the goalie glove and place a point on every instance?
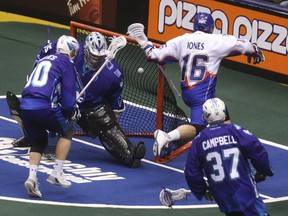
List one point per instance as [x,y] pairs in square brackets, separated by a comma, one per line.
[257,56]
[168,197]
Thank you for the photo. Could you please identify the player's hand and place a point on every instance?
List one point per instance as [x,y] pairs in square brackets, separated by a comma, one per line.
[258,177]
[76,115]
[257,56]
[208,195]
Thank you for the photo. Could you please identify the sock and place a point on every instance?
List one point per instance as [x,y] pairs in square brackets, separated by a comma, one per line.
[58,167]
[174,135]
[33,172]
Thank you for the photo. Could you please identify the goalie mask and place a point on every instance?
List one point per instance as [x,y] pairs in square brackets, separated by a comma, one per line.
[67,45]
[204,22]
[94,49]
[214,111]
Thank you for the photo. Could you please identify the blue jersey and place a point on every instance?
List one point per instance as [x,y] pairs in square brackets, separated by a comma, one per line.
[107,86]
[223,153]
[51,84]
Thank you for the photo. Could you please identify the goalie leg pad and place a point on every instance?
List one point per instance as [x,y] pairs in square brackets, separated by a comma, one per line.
[14,107]
[99,118]
[101,121]
[117,144]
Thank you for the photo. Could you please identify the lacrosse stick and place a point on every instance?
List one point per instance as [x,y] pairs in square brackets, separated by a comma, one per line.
[168,197]
[117,43]
[48,34]
[136,31]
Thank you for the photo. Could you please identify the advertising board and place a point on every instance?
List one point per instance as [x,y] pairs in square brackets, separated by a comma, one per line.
[171,18]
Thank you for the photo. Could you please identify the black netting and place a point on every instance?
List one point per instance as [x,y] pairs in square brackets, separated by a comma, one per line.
[140,93]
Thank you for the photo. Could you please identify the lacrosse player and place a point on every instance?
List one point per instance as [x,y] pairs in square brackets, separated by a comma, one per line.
[223,154]
[49,103]
[102,101]
[199,55]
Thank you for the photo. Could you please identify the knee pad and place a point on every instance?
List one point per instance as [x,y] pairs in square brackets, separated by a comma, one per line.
[39,145]
[68,134]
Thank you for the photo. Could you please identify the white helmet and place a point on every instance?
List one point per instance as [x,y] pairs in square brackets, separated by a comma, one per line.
[214,111]
[67,45]
[94,49]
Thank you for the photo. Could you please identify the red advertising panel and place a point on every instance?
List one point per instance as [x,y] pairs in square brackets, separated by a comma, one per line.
[170,18]
[90,11]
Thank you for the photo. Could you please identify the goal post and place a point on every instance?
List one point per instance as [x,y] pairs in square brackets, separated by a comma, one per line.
[149,100]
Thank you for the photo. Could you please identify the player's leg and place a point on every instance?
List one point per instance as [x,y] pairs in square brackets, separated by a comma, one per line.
[57,123]
[185,132]
[37,135]
[101,121]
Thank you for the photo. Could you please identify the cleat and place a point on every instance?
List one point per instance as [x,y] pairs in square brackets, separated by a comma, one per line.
[32,188]
[58,178]
[161,140]
[21,142]
[139,153]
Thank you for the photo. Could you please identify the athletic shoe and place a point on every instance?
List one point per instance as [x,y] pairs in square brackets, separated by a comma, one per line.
[49,153]
[21,142]
[161,140]
[32,188]
[139,153]
[58,178]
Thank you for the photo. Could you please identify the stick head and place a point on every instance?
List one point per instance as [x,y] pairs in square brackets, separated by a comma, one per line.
[116,44]
[136,31]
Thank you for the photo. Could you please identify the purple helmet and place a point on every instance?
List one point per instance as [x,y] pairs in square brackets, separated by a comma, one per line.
[203,22]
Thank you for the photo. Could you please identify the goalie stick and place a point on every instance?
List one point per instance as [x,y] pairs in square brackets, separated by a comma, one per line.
[116,44]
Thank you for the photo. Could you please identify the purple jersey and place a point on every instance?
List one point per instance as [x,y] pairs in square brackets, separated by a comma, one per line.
[51,84]
[223,154]
[107,86]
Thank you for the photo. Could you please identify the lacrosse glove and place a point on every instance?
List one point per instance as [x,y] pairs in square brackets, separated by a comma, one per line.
[257,56]
[258,177]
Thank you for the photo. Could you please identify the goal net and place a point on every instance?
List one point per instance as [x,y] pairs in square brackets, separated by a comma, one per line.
[149,100]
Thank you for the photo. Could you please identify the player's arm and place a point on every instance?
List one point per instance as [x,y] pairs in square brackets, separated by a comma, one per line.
[163,55]
[251,50]
[256,152]
[47,49]
[68,88]
[194,174]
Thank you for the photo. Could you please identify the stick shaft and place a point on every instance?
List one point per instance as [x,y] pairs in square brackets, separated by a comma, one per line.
[169,81]
[93,78]
[48,34]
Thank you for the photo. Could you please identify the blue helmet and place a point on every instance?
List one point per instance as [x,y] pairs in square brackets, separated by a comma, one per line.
[204,22]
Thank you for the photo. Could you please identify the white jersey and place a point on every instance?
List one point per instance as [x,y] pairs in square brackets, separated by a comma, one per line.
[199,55]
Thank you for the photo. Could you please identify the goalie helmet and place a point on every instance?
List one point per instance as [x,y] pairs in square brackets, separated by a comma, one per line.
[94,49]
[214,111]
[67,45]
[204,22]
